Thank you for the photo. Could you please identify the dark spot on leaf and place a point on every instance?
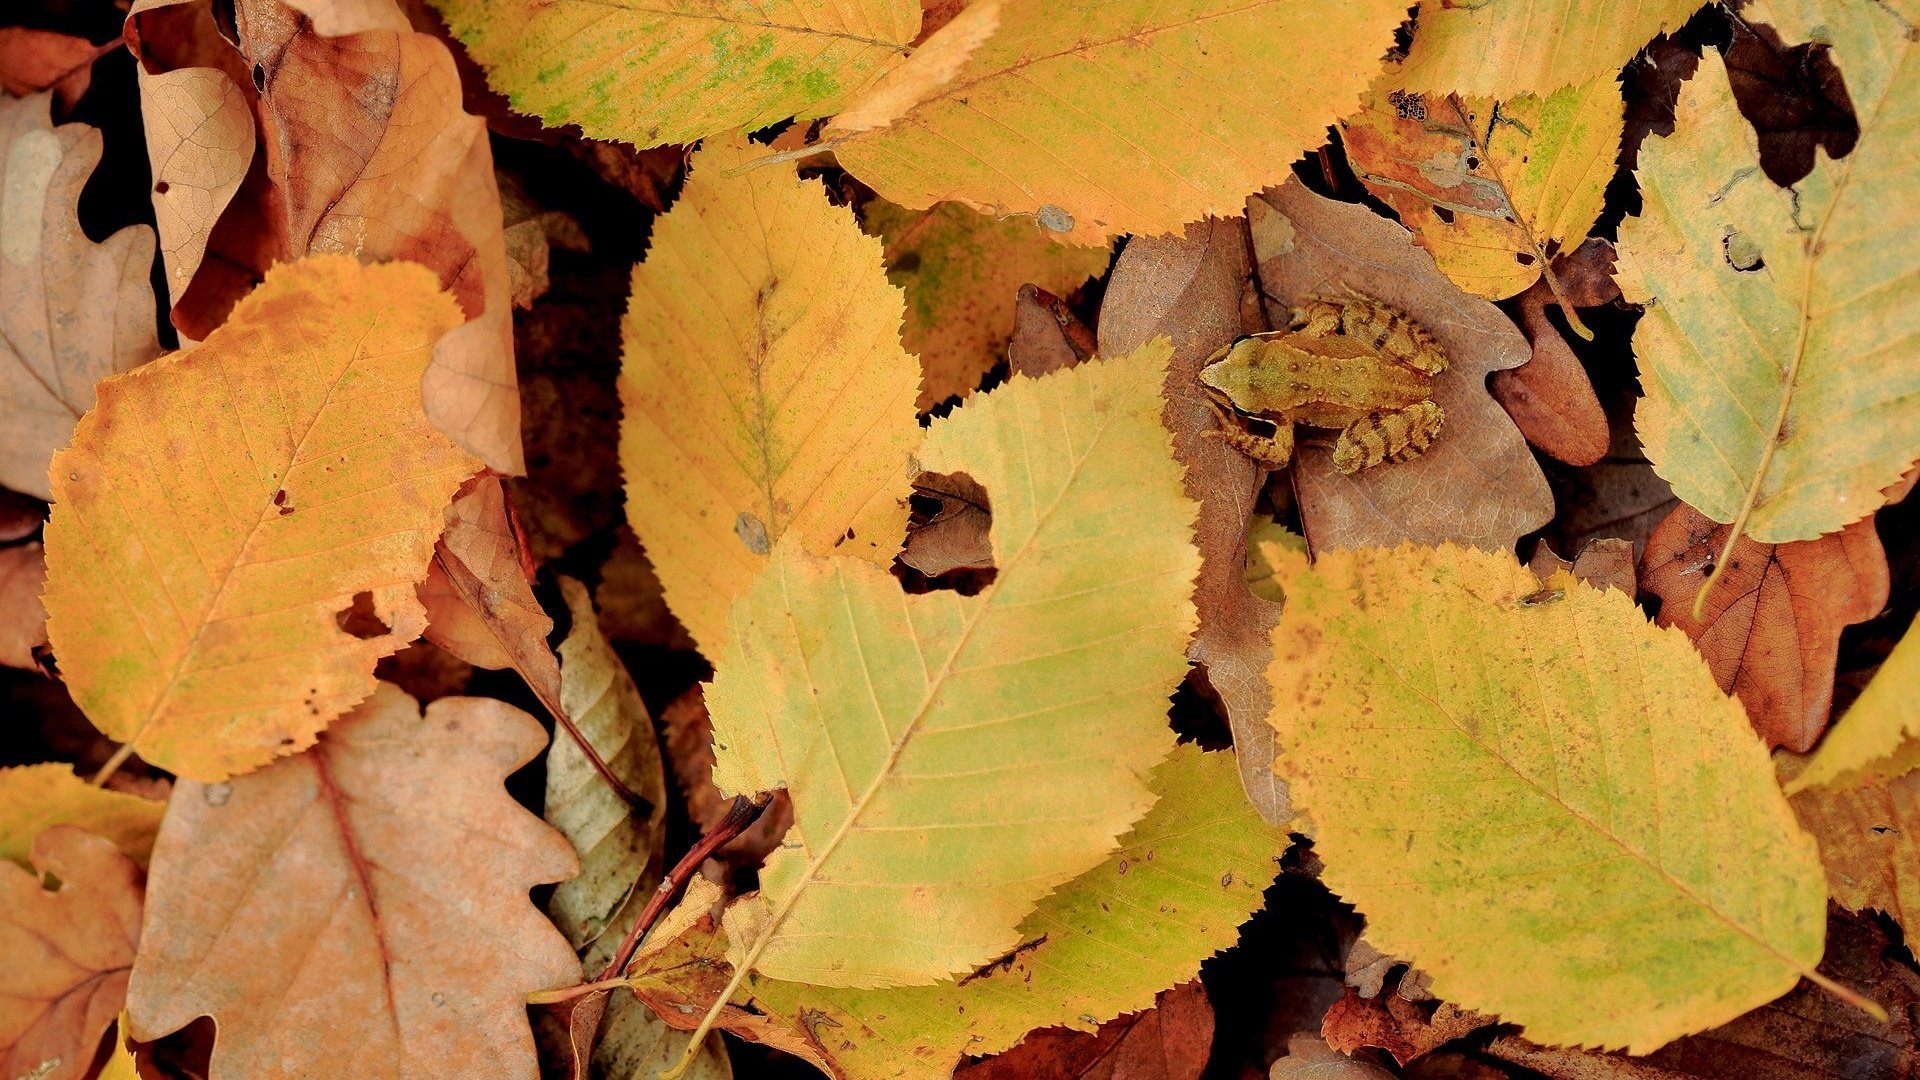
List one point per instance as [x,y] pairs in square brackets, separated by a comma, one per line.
[908,262]
[161,188]
[359,618]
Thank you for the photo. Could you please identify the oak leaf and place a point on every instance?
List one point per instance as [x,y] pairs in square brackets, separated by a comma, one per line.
[1478,484]
[1585,836]
[34,798]
[1162,115]
[765,390]
[894,719]
[23,619]
[68,950]
[1493,188]
[649,73]
[324,911]
[198,558]
[1189,289]
[1776,354]
[1771,630]
[1876,740]
[1184,879]
[71,311]
[960,270]
[1505,47]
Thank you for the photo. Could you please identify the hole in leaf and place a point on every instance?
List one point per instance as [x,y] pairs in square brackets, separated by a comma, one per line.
[1443,214]
[359,618]
[949,536]
[1741,252]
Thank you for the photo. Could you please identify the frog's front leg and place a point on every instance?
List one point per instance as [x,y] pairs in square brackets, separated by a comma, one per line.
[1392,436]
[1272,452]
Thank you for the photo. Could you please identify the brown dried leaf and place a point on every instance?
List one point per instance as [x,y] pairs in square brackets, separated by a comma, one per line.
[68,949]
[1046,335]
[957,536]
[1310,1058]
[36,60]
[71,311]
[1771,632]
[1605,563]
[1167,1042]
[360,910]
[1870,843]
[479,592]
[1403,1028]
[1478,485]
[1188,289]
[1549,397]
[1618,496]
[23,619]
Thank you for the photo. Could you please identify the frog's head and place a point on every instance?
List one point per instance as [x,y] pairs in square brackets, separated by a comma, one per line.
[1230,371]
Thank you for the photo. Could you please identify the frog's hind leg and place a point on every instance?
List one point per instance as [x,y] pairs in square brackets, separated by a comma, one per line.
[1396,334]
[1273,452]
[1317,318]
[1395,436]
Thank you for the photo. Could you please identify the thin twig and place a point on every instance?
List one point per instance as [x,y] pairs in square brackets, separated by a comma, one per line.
[740,816]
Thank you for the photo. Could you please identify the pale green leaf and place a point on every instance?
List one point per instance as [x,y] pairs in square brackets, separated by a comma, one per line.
[1538,798]
[953,758]
[1778,351]
[674,71]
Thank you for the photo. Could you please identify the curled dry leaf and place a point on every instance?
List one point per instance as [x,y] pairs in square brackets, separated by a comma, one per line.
[1047,336]
[1167,1042]
[69,944]
[23,618]
[1771,630]
[34,798]
[200,560]
[960,270]
[1310,1058]
[324,910]
[71,311]
[958,535]
[1188,290]
[1550,397]
[478,594]
[1605,563]
[1403,1028]
[531,234]
[196,105]
[1478,485]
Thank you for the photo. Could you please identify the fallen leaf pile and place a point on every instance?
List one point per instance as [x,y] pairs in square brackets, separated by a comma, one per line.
[630,539]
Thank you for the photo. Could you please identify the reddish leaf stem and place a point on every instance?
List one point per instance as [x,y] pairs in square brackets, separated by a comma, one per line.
[742,814]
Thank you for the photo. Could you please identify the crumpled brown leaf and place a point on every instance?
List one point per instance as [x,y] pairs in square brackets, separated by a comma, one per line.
[531,234]
[1403,1028]
[23,619]
[68,950]
[1188,288]
[1478,485]
[1047,336]
[1167,1042]
[1771,631]
[957,536]
[71,311]
[361,909]
[479,592]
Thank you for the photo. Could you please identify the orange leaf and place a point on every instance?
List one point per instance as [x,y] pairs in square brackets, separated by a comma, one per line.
[360,910]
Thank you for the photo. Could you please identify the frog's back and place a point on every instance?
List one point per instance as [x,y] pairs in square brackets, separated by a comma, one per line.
[1327,385]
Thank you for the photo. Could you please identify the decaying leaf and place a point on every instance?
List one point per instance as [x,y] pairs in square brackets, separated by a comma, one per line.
[1167,1042]
[1782,392]
[891,718]
[1177,891]
[1162,115]
[678,72]
[1188,289]
[34,798]
[1869,838]
[323,910]
[960,270]
[69,944]
[23,619]
[1505,47]
[1771,630]
[1875,740]
[1478,484]
[765,389]
[1403,1028]
[531,234]
[71,311]
[1492,188]
[198,559]
[1586,838]
[958,535]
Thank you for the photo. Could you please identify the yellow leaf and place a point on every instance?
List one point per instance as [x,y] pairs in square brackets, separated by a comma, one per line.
[1176,892]
[953,758]
[71,311]
[960,270]
[1501,48]
[35,797]
[119,1064]
[1538,798]
[1876,740]
[1492,188]
[1778,356]
[1110,116]
[764,387]
[221,508]
[650,72]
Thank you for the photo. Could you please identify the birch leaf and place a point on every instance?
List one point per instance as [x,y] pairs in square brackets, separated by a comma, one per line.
[1783,385]
[33,798]
[71,311]
[1176,892]
[1501,48]
[951,758]
[650,73]
[1583,837]
[764,387]
[1102,117]
[199,555]
[1874,741]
